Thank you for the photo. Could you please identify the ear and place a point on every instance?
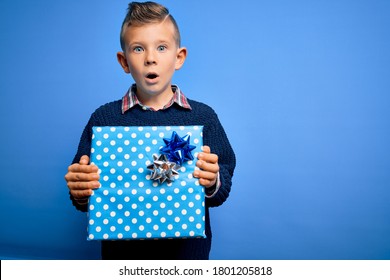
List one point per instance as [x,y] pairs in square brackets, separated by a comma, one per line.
[123,62]
[180,57]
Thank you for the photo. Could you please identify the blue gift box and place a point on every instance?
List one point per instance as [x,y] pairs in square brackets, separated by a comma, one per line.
[147,187]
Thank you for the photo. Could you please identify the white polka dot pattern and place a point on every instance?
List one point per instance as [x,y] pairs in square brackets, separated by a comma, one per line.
[129,205]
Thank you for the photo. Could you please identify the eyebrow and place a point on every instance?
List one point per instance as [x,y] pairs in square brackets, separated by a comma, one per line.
[142,43]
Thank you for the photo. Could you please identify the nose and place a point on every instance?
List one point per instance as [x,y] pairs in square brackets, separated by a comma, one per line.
[150,58]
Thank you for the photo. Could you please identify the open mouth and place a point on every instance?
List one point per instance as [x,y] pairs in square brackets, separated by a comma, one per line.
[151,76]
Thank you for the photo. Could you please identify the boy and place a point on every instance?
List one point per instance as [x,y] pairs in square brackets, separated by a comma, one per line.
[151,53]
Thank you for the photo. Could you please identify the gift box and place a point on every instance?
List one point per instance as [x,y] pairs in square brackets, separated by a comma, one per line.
[147,189]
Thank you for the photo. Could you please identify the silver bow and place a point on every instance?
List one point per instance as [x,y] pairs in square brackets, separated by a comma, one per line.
[163,170]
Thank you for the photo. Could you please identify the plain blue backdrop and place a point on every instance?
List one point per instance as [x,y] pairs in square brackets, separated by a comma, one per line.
[301,87]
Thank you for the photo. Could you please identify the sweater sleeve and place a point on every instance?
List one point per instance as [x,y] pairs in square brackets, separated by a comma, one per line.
[84,148]
[216,138]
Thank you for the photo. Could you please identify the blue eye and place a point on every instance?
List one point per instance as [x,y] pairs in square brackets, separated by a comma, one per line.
[161,48]
[138,49]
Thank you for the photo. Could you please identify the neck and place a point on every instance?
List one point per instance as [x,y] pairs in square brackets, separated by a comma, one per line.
[157,101]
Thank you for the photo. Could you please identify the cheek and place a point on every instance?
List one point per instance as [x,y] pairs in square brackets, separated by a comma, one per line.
[134,62]
[170,64]
[134,68]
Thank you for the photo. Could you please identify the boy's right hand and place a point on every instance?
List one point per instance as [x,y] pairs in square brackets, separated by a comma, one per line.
[82,178]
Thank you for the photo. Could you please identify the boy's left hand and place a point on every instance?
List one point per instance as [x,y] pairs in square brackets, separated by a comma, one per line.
[209,168]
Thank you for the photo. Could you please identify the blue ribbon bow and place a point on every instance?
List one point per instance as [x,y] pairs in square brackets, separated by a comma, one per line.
[178,149]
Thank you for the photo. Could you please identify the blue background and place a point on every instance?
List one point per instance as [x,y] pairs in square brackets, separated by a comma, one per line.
[301,87]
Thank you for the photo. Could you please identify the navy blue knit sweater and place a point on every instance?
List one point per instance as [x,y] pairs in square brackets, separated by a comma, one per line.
[213,136]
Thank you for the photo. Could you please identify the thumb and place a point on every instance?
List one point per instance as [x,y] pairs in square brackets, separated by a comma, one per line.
[84,160]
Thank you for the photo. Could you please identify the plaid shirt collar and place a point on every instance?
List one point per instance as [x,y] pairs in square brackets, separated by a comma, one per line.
[130,100]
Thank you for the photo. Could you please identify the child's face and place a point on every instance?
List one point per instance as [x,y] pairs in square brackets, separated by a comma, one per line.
[151,56]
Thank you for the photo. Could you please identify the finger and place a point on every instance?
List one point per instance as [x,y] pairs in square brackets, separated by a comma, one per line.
[207,166]
[213,158]
[207,183]
[206,149]
[78,168]
[81,186]
[79,194]
[85,177]
[201,174]
[84,160]
[81,176]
